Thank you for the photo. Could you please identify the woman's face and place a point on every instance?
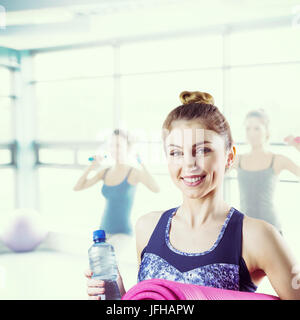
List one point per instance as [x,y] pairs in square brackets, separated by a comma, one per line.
[196,158]
[256,131]
[118,147]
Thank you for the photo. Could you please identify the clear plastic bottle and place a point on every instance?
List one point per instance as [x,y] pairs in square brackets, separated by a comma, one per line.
[104,266]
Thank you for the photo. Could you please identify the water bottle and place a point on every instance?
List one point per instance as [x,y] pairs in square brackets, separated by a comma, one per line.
[103,264]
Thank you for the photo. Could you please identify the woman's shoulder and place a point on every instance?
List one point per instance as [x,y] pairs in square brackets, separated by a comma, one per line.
[149,219]
[146,223]
[102,172]
[279,158]
[279,162]
[134,173]
[144,228]
[257,228]
[257,234]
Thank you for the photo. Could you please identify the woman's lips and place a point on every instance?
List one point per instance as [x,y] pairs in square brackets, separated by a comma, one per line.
[195,183]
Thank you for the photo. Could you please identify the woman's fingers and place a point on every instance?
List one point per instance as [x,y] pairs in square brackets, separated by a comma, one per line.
[94,298]
[94,287]
[289,138]
[297,139]
[138,158]
[91,291]
[95,283]
[88,273]
[98,158]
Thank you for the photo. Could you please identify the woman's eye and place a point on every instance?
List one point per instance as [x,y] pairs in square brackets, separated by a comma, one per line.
[199,151]
[203,150]
[175,153]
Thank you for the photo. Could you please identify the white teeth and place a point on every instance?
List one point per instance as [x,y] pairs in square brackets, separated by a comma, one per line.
[192,180]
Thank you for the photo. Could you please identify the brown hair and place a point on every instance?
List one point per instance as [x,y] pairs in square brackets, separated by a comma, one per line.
[199,106]
[261,114]
[123,134]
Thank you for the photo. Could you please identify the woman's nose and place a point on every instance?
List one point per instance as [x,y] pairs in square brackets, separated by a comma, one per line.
[191,160]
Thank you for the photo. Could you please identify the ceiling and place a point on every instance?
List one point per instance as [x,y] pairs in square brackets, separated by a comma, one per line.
[30,24]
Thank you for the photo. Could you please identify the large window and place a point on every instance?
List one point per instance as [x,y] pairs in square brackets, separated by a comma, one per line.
[147,99]
[74,110]
[273,88]
[264,46]
[7,178]
[74,91]
[64,209]
[76,63]
[180,53]
[5,76]
[7,195]
[5,119]
[74,104]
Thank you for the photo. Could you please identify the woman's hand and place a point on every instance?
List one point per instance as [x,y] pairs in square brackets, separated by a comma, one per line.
[138,158]
[293,141]
[97,159]
[94,287]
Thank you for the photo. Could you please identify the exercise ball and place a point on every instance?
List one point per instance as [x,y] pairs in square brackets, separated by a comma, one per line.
[23,230]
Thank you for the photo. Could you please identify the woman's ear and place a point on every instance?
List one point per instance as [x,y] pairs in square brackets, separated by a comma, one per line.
[231,157]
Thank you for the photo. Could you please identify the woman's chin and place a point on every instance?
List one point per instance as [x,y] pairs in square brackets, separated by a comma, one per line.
[192,194]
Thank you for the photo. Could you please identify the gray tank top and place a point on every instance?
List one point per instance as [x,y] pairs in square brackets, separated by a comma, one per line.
[257,193]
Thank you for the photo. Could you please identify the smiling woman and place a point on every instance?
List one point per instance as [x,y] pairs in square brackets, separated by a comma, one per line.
[205,241]
[192,175]
[194,143]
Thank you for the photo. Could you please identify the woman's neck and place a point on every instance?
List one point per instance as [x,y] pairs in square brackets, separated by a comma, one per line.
[258,149]
[196,212]
[120,162]
[120,165]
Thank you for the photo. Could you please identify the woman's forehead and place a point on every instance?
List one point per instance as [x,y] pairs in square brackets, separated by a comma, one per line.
[254,121]
[117,138]
[190,134]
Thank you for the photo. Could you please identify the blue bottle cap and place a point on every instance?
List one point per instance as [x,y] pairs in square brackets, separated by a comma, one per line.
[92,158]
[99,235]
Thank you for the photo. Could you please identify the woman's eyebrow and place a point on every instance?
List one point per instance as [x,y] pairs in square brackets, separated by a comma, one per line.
[194,145]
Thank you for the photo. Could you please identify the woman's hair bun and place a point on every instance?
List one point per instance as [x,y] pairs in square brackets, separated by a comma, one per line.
[196,97]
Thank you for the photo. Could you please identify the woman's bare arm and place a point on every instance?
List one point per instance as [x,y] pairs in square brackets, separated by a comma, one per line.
[143,231]
[144,176]
[84,182]
[284,163]
[271,254]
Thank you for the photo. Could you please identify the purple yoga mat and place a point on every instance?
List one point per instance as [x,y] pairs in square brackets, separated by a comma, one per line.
[161,289]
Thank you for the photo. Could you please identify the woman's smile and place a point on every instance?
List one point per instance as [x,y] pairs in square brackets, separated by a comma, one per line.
[193,181]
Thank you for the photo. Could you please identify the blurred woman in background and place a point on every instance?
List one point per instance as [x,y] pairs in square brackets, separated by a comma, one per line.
[119,184]
[258,170]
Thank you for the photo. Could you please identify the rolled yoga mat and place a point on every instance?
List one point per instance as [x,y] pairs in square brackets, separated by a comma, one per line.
[161,289]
